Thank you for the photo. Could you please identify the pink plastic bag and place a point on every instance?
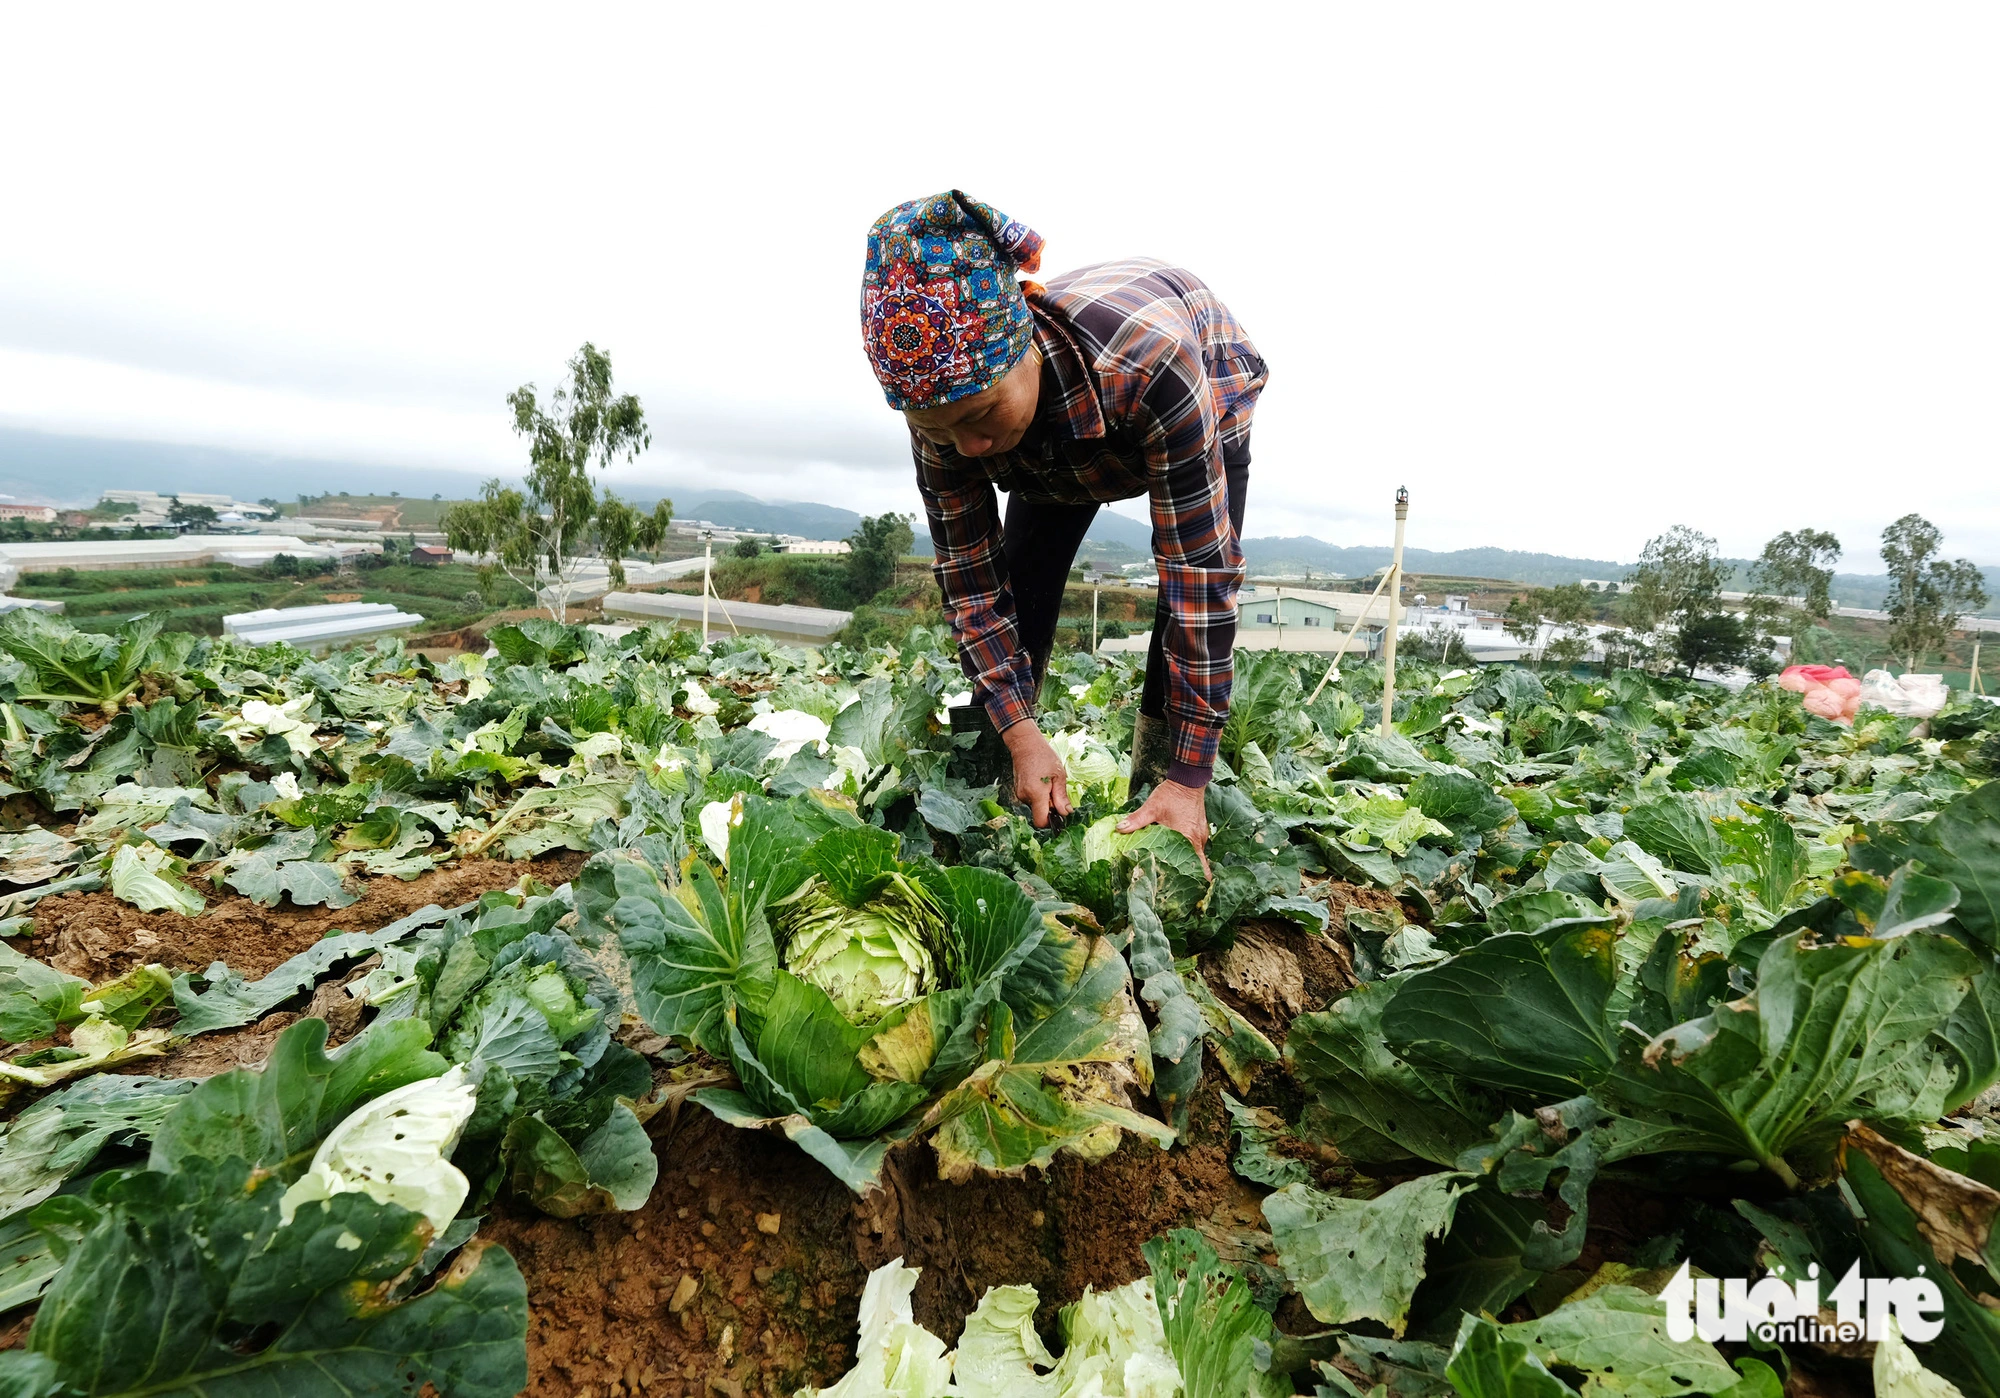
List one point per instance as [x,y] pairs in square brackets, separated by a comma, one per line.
[1801,678]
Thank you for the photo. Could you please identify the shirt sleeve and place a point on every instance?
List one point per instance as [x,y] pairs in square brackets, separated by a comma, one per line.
[964,517]
[1201,566]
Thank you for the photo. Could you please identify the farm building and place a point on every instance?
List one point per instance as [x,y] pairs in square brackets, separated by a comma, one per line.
[429,554]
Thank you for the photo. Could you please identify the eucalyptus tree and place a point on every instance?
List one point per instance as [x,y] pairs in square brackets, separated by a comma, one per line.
[539,534]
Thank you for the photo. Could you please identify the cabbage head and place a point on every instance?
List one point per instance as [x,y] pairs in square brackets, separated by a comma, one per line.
[871,958]
[1092,767]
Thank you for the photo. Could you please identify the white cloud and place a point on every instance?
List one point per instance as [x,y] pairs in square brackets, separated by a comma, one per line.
[1571,273]
[57,392]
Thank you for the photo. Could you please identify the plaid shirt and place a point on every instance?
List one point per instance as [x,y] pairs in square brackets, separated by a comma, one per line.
[1146,376]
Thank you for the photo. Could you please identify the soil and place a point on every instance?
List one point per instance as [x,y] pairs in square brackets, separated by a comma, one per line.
[96,936]
[743,1272]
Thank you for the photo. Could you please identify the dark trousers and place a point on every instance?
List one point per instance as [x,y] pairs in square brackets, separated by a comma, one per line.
[1040,542]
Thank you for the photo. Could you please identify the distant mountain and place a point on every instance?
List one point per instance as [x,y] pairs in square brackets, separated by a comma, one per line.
[735,510]
[1872,589]
[1305,553]
[54,468]
[46,467]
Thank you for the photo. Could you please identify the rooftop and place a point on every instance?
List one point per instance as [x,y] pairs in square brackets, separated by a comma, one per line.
[307,627]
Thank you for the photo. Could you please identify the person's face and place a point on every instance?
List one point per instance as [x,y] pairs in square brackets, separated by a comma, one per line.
[989,422]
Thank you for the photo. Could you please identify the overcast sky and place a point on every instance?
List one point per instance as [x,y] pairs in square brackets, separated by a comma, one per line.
[1573,273]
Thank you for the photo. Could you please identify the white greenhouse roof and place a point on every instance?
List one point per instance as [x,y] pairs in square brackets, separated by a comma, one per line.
[166,553]
[310,626]
[786,622]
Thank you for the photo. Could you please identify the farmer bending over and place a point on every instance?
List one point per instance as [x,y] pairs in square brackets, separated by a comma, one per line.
[1111,382]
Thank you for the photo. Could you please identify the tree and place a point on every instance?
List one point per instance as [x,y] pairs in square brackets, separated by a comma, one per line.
[186,517]
[1521,620]
[1565,609]
[1791,589]
[875,547]
[747,548]
[651,530]
[614,525]
[1678,578]
[535,534]
[1927,594]
[1792,580]
[1716,641]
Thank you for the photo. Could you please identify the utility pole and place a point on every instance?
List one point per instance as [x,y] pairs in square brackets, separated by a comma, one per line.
[707,587]
[1389,634]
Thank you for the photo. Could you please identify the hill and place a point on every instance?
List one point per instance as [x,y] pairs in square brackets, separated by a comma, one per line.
[59,469]
[734,510]
[1302,554]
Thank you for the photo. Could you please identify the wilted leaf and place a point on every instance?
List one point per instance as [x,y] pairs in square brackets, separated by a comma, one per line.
[1361,1259]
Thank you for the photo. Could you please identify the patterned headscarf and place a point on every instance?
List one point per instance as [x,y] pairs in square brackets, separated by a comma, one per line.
[941,314]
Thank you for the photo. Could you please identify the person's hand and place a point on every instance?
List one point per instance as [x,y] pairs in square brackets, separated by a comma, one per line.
[1041,782]
[1177,807]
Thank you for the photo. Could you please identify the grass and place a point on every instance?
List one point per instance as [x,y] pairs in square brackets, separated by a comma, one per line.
[447,596]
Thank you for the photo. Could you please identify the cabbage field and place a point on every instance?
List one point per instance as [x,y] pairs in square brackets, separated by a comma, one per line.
[628,1016]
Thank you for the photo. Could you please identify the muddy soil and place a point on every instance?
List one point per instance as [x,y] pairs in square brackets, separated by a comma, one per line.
[96,936]
[743,1273]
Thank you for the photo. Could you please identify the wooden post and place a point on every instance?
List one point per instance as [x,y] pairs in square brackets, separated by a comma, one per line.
[707,587]
[1278,614]
[1973,683]
[1389,633]
[1093,618]
[1348,639]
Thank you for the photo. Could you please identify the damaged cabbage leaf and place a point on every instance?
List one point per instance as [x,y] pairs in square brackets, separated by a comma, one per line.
[1368,1101]
[61,1134]
[200,1261]
[1361,1259]
[1831,1033]
[1213,1327]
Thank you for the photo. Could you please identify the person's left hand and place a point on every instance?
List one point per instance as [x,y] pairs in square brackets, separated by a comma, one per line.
[1177,807]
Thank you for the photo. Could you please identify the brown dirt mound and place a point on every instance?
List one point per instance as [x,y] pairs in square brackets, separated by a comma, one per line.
[743,1273]
[96,936]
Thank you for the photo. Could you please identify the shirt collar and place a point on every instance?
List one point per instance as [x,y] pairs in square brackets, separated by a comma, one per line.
[1069,390]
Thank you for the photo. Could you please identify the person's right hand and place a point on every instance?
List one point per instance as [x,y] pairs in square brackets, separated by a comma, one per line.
[1041,782]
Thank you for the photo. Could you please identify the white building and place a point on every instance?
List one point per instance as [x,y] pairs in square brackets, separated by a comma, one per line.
[189,550]
[319,628]
[809,626]
[145,502]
